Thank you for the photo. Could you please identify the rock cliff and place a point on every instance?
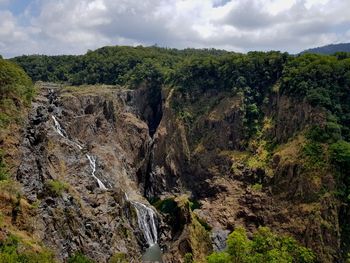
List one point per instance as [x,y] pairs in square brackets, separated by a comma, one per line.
[88,152]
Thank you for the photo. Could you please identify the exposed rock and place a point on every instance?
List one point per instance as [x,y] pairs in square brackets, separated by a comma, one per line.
[219,238]
[144,147]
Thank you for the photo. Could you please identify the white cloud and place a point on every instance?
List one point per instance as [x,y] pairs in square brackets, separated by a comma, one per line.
[73,26]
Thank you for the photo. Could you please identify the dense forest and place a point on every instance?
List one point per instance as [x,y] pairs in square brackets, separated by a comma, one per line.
[321,81]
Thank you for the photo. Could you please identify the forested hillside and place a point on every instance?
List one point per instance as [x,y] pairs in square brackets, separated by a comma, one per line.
[329,49]
[259,139]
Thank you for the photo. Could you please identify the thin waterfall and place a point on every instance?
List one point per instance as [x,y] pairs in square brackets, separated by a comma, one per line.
[58,128]
[63,133]
[92,160]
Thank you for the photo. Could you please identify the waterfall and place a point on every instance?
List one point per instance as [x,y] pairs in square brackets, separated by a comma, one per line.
[58,127]
[92,161]
[63,133]
[146,219]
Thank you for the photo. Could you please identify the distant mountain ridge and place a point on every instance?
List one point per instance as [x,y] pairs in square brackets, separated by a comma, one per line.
[329,49]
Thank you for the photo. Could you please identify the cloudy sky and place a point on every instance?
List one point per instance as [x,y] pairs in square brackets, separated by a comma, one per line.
[74,26]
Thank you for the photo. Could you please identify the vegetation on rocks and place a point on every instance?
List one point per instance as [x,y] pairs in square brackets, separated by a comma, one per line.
[56,187]
[14,250]
[264,247]
[79,258]
[281,123]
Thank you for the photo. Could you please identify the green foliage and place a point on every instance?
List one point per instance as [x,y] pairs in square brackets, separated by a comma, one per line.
[108,65]
[167,205]
[340,157]
[16,89]
[14,80]
[331,132]
[79,258]
[324,81]
[119,258]
[56,187]
[188,258]
[238,245]
[257,187]
[219,257]
[147,72]
[314,154]
[265,247]
[340,154]
[12,250]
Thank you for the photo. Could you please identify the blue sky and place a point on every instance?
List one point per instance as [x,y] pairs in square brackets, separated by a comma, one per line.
[74,26]
[18,6]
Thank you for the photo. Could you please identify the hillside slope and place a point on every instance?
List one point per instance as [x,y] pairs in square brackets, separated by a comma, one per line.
[329,49]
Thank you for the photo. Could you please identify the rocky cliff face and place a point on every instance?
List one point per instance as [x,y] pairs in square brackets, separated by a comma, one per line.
[81,155]
[210,157]
[88,151]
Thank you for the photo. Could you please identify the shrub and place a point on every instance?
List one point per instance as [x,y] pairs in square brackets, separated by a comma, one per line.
[257,187]
[238,245]
[79,258]
[56,187]
[219,257]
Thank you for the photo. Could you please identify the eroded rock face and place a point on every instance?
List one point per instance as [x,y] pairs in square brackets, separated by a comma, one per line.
[81,215]
[197,158]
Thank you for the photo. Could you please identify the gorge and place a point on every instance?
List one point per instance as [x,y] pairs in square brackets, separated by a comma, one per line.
[161,155]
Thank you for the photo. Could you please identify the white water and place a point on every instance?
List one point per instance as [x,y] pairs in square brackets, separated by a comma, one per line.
[146,219]
[92,160]
[58,127]
[63,133]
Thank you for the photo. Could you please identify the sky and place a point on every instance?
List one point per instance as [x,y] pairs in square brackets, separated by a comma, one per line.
[75,26]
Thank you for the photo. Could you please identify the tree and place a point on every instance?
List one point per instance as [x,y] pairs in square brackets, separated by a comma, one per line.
[265,247]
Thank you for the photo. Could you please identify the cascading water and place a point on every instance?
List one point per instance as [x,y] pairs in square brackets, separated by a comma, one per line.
[147,222]
[92,160]
[146,219]
[58,127]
